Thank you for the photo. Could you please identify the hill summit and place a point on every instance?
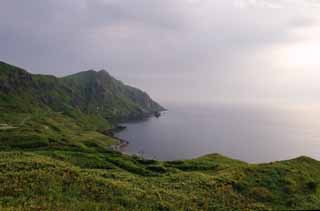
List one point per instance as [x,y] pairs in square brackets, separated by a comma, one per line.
[56,154]
[91,92]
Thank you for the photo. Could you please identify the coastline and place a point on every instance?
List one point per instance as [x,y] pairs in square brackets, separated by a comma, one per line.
[111,133]
[119,127]
[119,146]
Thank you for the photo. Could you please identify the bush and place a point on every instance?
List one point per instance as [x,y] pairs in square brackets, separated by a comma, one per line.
[261,194]
[23,142]
[159,169]
[312,186]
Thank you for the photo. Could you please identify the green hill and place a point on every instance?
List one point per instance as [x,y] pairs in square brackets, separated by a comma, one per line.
[91,92]
[73,180]
[100,93]
[54,157]
[46,112]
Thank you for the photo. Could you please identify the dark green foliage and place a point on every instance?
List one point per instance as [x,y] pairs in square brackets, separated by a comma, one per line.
[71,180]
[312,186]
[157,168]
[90,92]
[53,157]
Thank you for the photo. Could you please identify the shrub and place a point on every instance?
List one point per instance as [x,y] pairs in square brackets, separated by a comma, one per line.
[261,194]
[312,186]
[159,169]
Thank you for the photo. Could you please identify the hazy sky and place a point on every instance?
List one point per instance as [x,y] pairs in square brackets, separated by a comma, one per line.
[176,50]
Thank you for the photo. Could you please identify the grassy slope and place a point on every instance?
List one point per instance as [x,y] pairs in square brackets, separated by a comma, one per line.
[100,93]
[51,162]
[89,92]
[66,180]
[57,160]
[52,130]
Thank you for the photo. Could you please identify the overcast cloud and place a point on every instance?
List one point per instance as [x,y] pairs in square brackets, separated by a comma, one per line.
[177,50]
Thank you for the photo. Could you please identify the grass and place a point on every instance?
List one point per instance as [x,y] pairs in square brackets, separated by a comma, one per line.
[53,130]
[6,127]
[53,157]
[50,161]
[73,180]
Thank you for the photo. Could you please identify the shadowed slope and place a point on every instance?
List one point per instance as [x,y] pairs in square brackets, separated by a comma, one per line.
[91,92]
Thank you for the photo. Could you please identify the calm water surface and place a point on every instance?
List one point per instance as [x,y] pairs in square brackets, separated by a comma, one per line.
[249,133]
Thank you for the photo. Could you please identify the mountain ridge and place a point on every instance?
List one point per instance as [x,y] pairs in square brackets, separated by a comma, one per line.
[56,155]
[87,91]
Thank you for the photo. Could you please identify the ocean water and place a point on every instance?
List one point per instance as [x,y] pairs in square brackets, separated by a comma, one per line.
[250,133]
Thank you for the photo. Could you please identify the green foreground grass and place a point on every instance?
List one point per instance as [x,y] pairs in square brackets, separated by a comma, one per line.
[60,180]
[49,161]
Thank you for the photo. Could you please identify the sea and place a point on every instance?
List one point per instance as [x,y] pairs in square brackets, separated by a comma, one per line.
[251,133]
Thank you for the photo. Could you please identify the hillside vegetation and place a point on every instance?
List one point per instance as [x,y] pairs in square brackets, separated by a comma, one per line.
[90,92]
[54,156]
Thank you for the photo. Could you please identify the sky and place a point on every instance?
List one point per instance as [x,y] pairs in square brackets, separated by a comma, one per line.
[261,51]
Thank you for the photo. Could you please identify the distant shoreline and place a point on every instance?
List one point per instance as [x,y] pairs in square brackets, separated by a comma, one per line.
[118,128]
[112,133]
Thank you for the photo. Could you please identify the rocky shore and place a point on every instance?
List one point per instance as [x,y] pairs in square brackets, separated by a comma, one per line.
[111,132]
